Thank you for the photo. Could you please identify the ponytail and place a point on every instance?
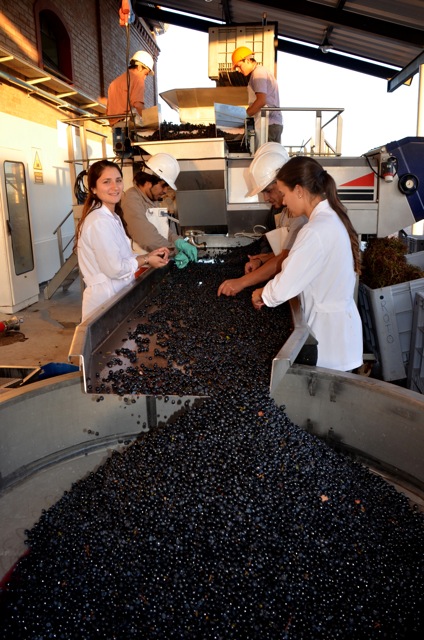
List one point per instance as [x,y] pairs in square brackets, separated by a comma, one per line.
[335,203]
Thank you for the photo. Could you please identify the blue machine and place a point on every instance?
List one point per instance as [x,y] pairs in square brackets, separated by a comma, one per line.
[409,164]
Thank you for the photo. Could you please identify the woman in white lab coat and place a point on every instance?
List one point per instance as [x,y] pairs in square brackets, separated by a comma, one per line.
[322,265]
[105,257]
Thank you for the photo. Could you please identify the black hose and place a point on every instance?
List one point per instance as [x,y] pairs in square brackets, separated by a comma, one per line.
[80,190]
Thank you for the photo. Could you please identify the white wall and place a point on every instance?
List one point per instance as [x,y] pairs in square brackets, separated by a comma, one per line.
[44,151]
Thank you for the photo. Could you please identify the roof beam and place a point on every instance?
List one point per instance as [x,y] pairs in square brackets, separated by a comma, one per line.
[313,53]
[344,62]
[148,12]
[226,10]
[405,74]
[339,16]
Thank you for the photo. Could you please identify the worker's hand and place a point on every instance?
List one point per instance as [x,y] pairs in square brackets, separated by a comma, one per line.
[181,260]
[254,263]
[257,301]
[162,252]
[186,248]
[158,257]
[230,287]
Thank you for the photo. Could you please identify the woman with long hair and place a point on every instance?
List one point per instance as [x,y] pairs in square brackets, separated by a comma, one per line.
[322,265]
[105,257]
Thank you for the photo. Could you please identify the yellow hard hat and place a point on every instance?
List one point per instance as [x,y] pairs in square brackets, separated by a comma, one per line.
[240,54]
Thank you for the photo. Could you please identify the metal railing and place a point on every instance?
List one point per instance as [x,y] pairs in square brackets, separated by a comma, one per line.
[318,145]
[58,233]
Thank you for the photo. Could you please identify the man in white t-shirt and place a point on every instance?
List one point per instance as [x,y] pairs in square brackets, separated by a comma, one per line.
[262,92]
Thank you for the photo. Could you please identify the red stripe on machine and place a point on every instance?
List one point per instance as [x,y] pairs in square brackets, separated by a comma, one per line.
[363,181]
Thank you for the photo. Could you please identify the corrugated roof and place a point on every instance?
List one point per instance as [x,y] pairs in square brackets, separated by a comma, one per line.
[388,34]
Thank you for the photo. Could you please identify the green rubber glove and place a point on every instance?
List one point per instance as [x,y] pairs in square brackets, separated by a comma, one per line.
[181,260]
[187,248]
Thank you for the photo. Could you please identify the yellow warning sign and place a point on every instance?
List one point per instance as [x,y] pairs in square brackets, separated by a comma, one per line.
[37,164]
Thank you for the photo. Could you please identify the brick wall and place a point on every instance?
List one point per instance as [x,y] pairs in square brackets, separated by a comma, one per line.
[21,105]
[98,42]
[17,29]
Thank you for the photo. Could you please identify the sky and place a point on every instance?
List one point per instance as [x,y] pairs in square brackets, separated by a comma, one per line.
[372,117]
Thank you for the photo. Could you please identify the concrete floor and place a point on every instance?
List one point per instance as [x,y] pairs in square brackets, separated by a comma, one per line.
[46,332]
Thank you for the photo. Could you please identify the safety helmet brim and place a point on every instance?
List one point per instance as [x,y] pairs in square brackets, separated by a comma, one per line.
[256,190]
[171,184]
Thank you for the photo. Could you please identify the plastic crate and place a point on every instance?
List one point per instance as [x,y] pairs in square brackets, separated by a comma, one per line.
[415,380]
[387,315]
[53,369]
[415,244]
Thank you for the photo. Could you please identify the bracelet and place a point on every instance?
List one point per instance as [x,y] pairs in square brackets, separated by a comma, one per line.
[146,260]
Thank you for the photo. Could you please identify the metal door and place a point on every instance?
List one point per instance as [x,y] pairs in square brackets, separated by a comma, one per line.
[18,284]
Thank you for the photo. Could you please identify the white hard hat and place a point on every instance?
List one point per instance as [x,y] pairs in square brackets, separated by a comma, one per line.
[264,168]
[165,167]
[145,59]
[268,146]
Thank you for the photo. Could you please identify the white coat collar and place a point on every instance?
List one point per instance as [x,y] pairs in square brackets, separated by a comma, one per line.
[321,206]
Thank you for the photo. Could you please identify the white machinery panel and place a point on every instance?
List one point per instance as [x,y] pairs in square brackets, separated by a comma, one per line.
[187,150]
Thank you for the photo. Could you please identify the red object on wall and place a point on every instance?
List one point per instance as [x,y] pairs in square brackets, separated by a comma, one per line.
[124,13]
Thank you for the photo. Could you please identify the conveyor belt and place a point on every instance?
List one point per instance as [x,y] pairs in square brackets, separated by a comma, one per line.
[382,423]
[96,340]
[52,425]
